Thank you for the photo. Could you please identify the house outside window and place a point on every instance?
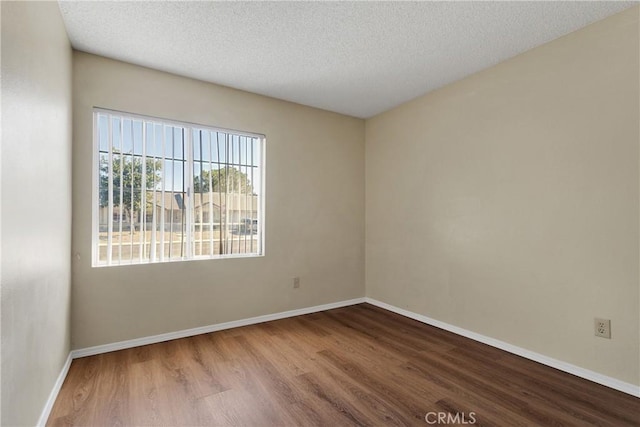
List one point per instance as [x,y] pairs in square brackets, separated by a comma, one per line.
[171,191]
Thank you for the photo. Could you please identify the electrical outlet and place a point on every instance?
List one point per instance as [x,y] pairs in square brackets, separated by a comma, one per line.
[296,282]
[602,328]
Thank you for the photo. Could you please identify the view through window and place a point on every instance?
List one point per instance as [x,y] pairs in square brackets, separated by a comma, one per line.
[168,191]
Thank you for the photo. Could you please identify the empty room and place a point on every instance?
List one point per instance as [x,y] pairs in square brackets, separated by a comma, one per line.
[320,213]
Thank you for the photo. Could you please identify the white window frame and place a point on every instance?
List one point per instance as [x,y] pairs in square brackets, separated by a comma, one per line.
[189,202]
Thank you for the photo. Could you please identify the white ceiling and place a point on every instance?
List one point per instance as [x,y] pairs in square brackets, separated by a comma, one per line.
[355,58]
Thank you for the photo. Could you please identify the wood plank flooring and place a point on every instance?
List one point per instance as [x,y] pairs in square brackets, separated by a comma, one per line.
[357,365]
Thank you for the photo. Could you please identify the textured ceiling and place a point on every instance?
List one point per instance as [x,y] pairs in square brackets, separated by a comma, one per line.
[355,58]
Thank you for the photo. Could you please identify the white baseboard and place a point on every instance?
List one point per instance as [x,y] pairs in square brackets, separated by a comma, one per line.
[616,384]
[46,411]
[605,380]
[99,349]
[121,345]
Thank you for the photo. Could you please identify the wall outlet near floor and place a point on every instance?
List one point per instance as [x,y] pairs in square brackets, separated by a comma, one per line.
[296,282]
[602,328]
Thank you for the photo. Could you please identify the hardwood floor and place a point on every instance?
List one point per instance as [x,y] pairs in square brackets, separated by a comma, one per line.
[357,365]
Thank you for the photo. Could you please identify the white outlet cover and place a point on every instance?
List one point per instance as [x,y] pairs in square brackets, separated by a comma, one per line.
[602,328]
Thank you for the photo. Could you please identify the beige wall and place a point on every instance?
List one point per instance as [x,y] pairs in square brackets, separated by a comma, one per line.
[314,211]
[507,203]
[36,206]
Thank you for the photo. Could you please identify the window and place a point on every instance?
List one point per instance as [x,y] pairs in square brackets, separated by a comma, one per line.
[170,191]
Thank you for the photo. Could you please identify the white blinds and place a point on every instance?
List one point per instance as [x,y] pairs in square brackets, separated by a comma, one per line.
[169,191]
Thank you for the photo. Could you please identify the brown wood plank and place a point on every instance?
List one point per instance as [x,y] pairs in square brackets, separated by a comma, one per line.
[358,365]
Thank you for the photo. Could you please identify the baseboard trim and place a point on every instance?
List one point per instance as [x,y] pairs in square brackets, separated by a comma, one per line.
[46,411]
[536,357]
[121,345]
[587,374]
